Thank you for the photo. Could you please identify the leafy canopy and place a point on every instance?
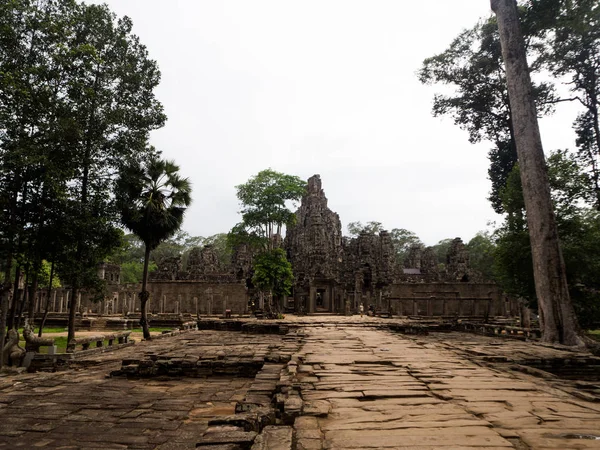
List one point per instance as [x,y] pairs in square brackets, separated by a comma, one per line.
[266,199]
[153,199]
[273,273]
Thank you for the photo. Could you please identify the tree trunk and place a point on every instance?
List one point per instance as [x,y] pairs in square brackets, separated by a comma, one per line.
[32,297]
[5,295]
[23,301]
[72,306]
[47,308]
[559,321]
[144,296]
[15,298]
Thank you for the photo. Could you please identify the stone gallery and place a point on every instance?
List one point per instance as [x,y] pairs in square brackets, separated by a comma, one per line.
[332,274]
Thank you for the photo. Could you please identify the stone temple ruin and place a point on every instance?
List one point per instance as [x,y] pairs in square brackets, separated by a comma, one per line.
[333,274]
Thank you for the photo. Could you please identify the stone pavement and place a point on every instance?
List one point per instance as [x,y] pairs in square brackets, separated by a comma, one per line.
[391,391]
[84,409]
[359,387]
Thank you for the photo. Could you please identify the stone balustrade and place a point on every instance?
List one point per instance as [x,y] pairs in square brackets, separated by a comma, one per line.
[98,341]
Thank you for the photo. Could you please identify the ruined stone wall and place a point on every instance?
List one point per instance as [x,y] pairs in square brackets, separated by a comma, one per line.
[447,299]
[179,297]
[368,262]
[197,297]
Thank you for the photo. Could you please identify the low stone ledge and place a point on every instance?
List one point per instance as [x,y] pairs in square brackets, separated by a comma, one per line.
[191,367]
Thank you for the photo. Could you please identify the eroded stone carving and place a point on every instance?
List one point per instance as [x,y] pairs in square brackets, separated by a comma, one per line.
[457,262]
[12,353]
[168,269]
[202,261]
[33,342]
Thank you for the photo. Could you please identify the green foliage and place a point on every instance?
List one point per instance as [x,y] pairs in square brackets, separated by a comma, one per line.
[402,240]
[44,276]
[133,271]
[266,199]
[273,272]
[572,31]
[481,254]
[220,246]
[478,103]
[579,229]
[441,251]
[357,228]
[76,105]
[152,198]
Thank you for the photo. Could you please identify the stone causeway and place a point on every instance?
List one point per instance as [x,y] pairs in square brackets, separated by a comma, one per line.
[313,382]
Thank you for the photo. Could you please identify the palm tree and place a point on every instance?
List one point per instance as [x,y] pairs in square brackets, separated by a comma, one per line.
[152,198]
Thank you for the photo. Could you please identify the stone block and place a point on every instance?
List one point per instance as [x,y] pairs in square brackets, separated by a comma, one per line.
[274,438]
[241,438]
[318,408]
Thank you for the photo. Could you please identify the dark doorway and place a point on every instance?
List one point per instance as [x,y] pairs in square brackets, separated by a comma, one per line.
[320,299]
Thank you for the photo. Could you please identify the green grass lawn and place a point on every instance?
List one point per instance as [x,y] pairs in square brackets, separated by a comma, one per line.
[594,334]
[61,341]
[46,330]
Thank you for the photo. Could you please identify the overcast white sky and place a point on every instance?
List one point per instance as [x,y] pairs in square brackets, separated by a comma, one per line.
[325,87]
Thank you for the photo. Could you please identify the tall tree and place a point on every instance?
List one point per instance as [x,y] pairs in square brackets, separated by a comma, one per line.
[573,53]
[558,320]
[153,198]
[114,106]
[76,104]
[579,230]
[266,199]
[472,67]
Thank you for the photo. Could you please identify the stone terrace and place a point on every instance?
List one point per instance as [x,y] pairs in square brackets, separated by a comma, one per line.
[348,384]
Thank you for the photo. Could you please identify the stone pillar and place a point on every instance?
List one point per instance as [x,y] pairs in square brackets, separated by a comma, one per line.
[79,301]
[312,300]
[196,304]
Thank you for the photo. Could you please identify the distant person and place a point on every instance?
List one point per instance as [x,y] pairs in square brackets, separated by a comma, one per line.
[361,308]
